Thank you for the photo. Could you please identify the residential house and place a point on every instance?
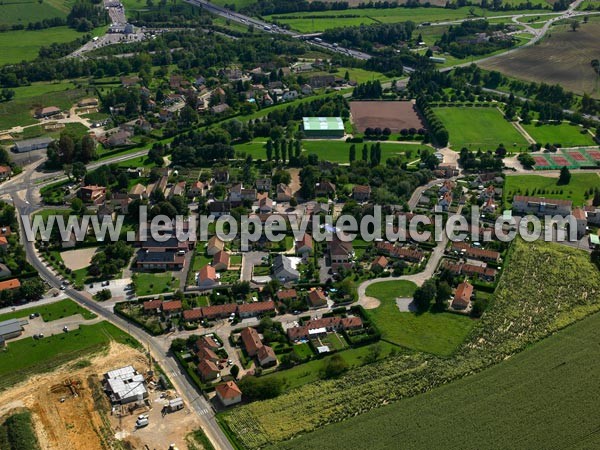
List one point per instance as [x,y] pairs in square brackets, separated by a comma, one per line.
[48,111]
[323,326]
[380,263]
[475,252]
[361,193]
[172,308]
[208,370]
[198,189]
[208,354]
[462,297]
[4,271]
[207,277]
[219,311]
[283,269]
[159,259]
[251,341]
[266,356]
[5,172]
[541,206]
[287,294]
[581,217]
[406,253]
[284,193]
[305,89]
[325,189]
[219,208]
[254,309]
[263,184]
[152,306]
[214,246]
[265,205]
[340,252]
[93,194]
[317,298]
[471,270]
[177,189]
[137,192]
[220,260]
[228,393]
[192,315]
[118,139]
[9,285]
[304,246]
[208,342]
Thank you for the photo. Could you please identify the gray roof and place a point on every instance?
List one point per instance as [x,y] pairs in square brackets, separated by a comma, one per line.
[10,326]
[34,141]
[283,264]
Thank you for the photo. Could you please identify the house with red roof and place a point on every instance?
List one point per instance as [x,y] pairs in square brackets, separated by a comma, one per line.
[228,393]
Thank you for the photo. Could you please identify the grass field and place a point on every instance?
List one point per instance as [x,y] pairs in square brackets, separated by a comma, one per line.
[546,396]
[479,128]
[561,288]
[562,57]
[19,111]
[155,283]
[564,134]
[437,333]
[310,22]
[334,151]
[51,311]
[533,184]
[27,356]
[24,45]
[25,11]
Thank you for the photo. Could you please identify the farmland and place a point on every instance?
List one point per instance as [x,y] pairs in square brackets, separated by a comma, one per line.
[51,311]
[438,333]
[311,22]
[479,128]
[392,115]
[543,395]
[562,57]
[562,288]
[546,186]
[27,356]
[564,134]
[26,11]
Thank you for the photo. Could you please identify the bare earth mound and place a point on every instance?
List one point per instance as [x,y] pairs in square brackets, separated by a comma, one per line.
[78,259]
[564,58]
[392,115]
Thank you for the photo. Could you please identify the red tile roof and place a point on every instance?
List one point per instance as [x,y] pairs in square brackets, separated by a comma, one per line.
[173,305]
[152,304]
[256,307]
[251,340]
[10,284]
[192,314]
[287,293]
[316,297]
[228,390]
[463,294]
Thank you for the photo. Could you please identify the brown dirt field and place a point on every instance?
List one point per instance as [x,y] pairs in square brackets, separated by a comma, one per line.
[392,115]
[76,422]
[562,57]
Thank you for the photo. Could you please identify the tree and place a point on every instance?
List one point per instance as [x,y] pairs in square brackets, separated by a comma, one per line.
[269,150]
[565,176]
[365,153]
[235,370]
[77,205]
[442,294]
[260,388]
[352,155]
[373,354]
[425,294]
[335,367]
[574,25]
[78,170]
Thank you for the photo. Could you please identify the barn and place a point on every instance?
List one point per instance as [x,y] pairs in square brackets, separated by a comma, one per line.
[323,127]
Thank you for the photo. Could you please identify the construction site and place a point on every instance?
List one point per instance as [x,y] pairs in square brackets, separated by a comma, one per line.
[74,407]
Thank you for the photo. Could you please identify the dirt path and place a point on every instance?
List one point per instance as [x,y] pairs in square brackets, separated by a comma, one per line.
[295,183]
[78,259]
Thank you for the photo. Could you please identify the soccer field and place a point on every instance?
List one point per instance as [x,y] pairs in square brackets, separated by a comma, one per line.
[564,134]
[479,129]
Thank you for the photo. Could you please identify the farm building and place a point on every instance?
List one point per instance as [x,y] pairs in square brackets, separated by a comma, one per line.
[125,385]
[11,328]
[28,145]
[323,127]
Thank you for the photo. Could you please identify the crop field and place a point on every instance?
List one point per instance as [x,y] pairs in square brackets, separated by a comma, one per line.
[563,287]
[335,150]
[19,111]
[539,185]
[310,22]
[51,311]
[562,57]
[24,45]
[437,333]
[27,356]
[546,396]
[15,12]
[392,115]
[479,128]
[565,134]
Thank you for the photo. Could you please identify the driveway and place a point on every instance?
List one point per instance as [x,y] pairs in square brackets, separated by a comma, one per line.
[249,260]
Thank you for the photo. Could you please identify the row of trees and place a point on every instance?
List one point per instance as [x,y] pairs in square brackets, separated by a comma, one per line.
[370,90]
[437,130]
[69,149]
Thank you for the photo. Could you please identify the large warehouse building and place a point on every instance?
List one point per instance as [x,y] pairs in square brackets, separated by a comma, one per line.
[32,144]
[323,127]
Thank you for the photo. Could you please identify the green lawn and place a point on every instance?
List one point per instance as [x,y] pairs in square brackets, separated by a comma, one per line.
[24,45]
[303,351]
[438,333]
[544,397]
[22,12]
[51,311]
[533,184]
[310,22]
[564,134]
[361,75]
[311,371]
[479,128]
[27,356]
[338,151]
[155,283]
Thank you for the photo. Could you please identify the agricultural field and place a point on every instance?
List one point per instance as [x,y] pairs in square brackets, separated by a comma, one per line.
[437,333]
[546,186]
[565,134]
[25,357]
[562,57]
[312,22]
[479,128]
[543,395]
[19,111]
[51,311]
[562,288]
[23,12]
[392,115]
[24,45]
[335,150]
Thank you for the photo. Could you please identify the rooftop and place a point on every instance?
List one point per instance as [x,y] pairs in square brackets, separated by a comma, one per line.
[323,123]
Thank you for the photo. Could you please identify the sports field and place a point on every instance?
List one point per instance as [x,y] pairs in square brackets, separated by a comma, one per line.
[547,396]
[383,114]
[542,186]
[438,333]
[565,134]
[479,128]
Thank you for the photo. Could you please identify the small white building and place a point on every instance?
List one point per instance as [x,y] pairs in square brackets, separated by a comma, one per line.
[125,385]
